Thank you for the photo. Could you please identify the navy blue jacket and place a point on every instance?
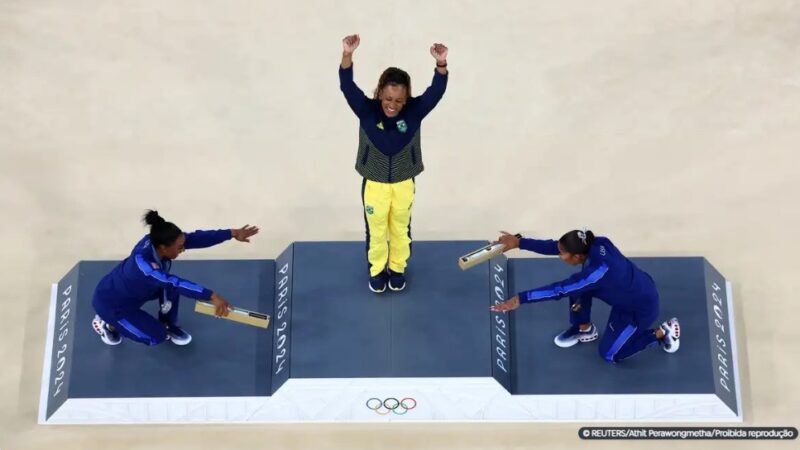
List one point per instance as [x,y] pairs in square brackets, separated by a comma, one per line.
[384,131]
[607,275]
[143,276]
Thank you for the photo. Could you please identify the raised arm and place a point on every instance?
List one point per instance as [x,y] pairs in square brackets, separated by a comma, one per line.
[430,98]
[355,97]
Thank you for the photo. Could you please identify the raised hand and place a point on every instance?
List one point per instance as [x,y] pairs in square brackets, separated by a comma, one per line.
[350,44]
[243,234]
[439,51]
[506,306]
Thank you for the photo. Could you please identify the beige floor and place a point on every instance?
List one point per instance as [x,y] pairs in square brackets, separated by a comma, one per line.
[671,127]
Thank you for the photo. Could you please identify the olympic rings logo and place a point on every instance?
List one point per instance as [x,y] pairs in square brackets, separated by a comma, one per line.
[391,405]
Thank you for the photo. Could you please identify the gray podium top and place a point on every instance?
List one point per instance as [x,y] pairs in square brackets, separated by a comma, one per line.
[544,368]
[223,359]
[437,327]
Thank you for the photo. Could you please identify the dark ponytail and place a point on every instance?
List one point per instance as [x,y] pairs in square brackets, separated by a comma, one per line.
[577,242]
[393,76]
[161,231]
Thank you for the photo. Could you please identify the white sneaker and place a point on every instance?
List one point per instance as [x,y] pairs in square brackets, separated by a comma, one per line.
[672,334]
[574,335]
[177,335]
[108,336]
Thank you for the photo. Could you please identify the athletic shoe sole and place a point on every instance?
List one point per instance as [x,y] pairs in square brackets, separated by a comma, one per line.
[577,339]
[373,290]
[674,326]
[181,341]
[99,327]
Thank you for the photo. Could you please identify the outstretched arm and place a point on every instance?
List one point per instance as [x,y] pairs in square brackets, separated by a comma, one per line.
[543,247]
[205,239]
[578,284]
[540,246]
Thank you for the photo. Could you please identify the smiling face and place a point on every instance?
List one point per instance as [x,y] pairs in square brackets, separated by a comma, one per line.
[393,97]
[393,90]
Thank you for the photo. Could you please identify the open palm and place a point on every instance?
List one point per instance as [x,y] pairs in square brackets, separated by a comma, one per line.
[243,234]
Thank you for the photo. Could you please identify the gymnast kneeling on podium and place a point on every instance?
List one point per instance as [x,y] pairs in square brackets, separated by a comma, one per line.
[608,275]
[144,276]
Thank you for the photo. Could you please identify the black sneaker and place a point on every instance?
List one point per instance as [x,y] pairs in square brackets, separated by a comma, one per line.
[377,284]
[397,281]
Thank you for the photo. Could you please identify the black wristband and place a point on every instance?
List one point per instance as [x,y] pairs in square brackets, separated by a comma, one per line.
[518,236]
[441,65]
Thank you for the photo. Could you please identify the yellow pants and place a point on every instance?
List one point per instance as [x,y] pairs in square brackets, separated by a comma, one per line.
[387,211]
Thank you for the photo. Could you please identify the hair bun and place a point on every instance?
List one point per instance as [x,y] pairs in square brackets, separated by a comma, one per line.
[151,218]
[577,242]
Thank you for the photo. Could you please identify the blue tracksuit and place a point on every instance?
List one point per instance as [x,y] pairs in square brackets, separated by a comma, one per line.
[142,277]
[611,277]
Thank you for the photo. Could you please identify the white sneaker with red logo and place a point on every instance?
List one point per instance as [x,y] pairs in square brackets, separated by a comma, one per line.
[672,334]
[107,335]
